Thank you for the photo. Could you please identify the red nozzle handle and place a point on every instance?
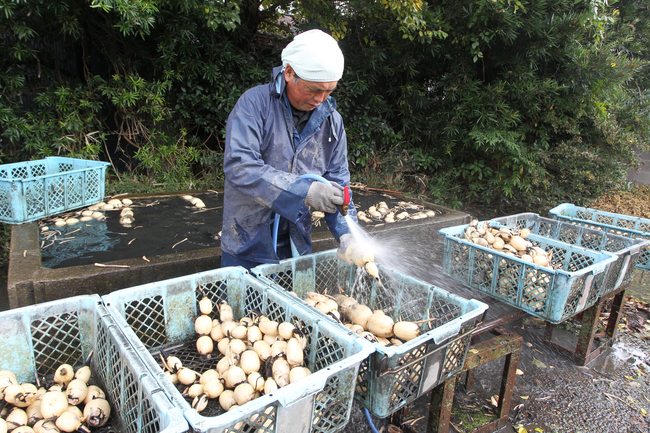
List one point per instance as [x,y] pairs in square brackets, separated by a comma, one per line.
[346,197]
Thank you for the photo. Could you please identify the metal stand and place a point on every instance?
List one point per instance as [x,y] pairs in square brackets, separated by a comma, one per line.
[505,344]
[584,352]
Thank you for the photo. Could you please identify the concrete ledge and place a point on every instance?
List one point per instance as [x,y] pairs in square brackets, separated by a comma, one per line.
[30,283]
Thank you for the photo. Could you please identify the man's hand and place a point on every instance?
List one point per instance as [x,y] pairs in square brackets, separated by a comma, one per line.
[324,197]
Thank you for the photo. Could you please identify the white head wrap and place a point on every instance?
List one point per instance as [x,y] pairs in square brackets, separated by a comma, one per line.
[314,56]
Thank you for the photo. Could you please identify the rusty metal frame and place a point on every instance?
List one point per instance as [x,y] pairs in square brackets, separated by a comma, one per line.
[505,344]
[584,351]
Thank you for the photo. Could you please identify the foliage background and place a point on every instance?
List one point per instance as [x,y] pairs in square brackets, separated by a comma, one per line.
[502,103]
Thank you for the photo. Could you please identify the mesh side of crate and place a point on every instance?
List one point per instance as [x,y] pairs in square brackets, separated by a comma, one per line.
[608,222]
[400,297]
[35,198]
[263,422]
[643,261]
[6,210]
[149,313]
[36,189]
[56,340]
[416,372]
[626,248]
[123,388]
[332,406]
[38,339]
[385,395]
[406,383]
[552,295]
[455,357]
[165,313]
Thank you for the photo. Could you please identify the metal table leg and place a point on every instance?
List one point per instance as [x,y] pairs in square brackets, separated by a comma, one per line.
[506,344]
[584,352]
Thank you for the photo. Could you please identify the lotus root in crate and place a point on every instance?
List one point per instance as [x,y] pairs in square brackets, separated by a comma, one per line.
[609,222]
[626,249]
[393,376]
[36,340]
[37,189]
[162,315]
[570,285]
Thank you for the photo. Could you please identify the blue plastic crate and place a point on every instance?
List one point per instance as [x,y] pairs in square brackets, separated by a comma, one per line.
[552,295]
[36,340]
[161,315]
[33,190]
[610,222]
[626,249]
[392,376]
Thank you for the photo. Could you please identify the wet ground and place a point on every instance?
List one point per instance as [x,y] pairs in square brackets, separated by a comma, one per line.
[610,394]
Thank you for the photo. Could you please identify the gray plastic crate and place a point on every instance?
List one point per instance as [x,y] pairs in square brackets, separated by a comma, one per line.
[162,314]
[37,339]
[609,222]
[33,190]
[392,376]
[626,249]
[550,294]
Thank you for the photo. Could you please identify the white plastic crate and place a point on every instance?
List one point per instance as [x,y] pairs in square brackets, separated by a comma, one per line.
[161,315]
[392,376]
[550,294]
[36,340]
[610,222]
[37,189]
[626,249]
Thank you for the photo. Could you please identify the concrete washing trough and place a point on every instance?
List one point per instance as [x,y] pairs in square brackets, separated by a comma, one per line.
[128,256]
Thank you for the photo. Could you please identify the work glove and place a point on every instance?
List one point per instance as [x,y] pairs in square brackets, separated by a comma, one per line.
[324,197]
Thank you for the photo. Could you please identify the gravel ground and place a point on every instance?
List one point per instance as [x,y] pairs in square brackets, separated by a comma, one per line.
[610,394]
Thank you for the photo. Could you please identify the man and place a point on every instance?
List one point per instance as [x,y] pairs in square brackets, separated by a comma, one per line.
[276,133]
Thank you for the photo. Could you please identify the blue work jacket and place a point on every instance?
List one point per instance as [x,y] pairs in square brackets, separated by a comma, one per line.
[264,158]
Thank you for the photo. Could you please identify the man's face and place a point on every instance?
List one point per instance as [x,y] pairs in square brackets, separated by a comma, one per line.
[306,95]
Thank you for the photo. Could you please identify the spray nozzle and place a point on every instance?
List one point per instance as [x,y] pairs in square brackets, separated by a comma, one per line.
[346,201]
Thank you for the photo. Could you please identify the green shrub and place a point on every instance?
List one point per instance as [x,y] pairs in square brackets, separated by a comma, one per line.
[502,102]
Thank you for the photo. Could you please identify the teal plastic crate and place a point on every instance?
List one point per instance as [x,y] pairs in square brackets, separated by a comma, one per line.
[392,376]
[36,340]
[33,190]
[610,222]
[626,249]
[161,315]
[552,295]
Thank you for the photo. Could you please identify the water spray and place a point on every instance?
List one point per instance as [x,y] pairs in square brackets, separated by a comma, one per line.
[358,252]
